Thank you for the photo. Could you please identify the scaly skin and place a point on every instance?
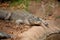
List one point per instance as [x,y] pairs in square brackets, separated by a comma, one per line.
[22,17]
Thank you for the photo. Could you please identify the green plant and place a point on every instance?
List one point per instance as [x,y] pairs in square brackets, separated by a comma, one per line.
[23,3]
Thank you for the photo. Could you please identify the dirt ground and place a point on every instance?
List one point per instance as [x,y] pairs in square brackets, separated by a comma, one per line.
[12,29]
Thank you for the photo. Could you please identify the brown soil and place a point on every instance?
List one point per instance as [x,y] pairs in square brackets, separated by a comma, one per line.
[13,29]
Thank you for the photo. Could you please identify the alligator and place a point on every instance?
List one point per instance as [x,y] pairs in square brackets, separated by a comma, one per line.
[4,35]
[22,17]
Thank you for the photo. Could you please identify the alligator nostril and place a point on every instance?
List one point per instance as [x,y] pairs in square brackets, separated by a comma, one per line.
[46,24]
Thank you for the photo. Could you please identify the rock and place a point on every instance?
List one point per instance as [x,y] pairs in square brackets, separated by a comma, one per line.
[54,36]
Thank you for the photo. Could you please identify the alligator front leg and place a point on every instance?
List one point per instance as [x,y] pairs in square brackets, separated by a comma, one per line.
[4,14]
